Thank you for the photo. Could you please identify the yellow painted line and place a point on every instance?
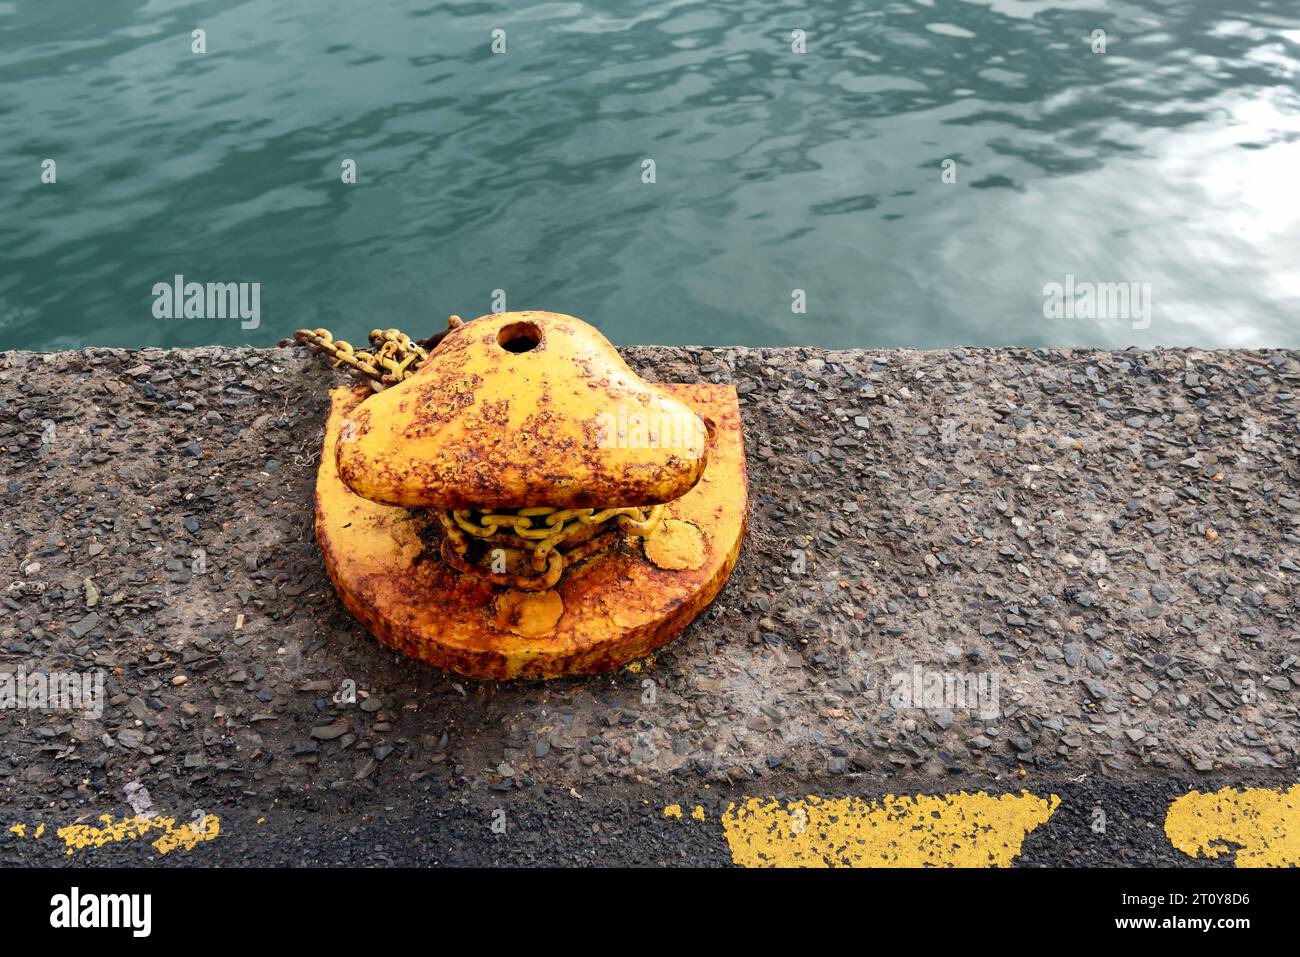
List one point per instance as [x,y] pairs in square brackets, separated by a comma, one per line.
[1262,823]
[946,830]
[173,836]
[674,811]
[170,836]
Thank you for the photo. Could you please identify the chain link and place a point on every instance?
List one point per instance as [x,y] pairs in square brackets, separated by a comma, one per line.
[392,355]
[541,532]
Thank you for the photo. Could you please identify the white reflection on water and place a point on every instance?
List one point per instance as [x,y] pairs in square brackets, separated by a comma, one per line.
[1225,270]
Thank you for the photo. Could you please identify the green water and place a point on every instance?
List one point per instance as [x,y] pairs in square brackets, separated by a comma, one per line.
[1170,161]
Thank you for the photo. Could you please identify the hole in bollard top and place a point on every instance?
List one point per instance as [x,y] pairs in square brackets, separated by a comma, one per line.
[519,337]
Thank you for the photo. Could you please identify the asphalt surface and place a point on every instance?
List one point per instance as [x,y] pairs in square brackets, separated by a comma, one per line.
[618,826]
[1112,536]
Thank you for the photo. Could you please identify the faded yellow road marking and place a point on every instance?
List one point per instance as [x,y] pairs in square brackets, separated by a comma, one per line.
[1263,823]
[183,836]
[19,829]
[947,830]
[674,811]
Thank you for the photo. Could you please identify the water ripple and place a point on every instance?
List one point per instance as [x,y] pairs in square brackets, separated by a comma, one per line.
[1169,159]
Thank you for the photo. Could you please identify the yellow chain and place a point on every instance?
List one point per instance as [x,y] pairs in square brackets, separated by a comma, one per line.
[541,531]
[393,357]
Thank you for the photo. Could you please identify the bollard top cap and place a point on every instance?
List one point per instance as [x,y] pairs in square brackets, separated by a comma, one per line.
[522,409]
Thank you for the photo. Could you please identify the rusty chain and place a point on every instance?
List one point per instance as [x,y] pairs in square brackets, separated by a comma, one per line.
[541,532]
[392,357]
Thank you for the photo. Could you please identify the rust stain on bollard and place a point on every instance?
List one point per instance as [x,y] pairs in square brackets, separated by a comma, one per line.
[525,506]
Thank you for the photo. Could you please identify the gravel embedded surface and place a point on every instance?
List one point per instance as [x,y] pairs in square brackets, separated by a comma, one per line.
[1112,536]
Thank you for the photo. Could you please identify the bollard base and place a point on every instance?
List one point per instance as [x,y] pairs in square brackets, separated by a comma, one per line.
[609,609]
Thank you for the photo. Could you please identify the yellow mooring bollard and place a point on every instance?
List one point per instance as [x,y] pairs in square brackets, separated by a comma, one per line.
[517,502]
